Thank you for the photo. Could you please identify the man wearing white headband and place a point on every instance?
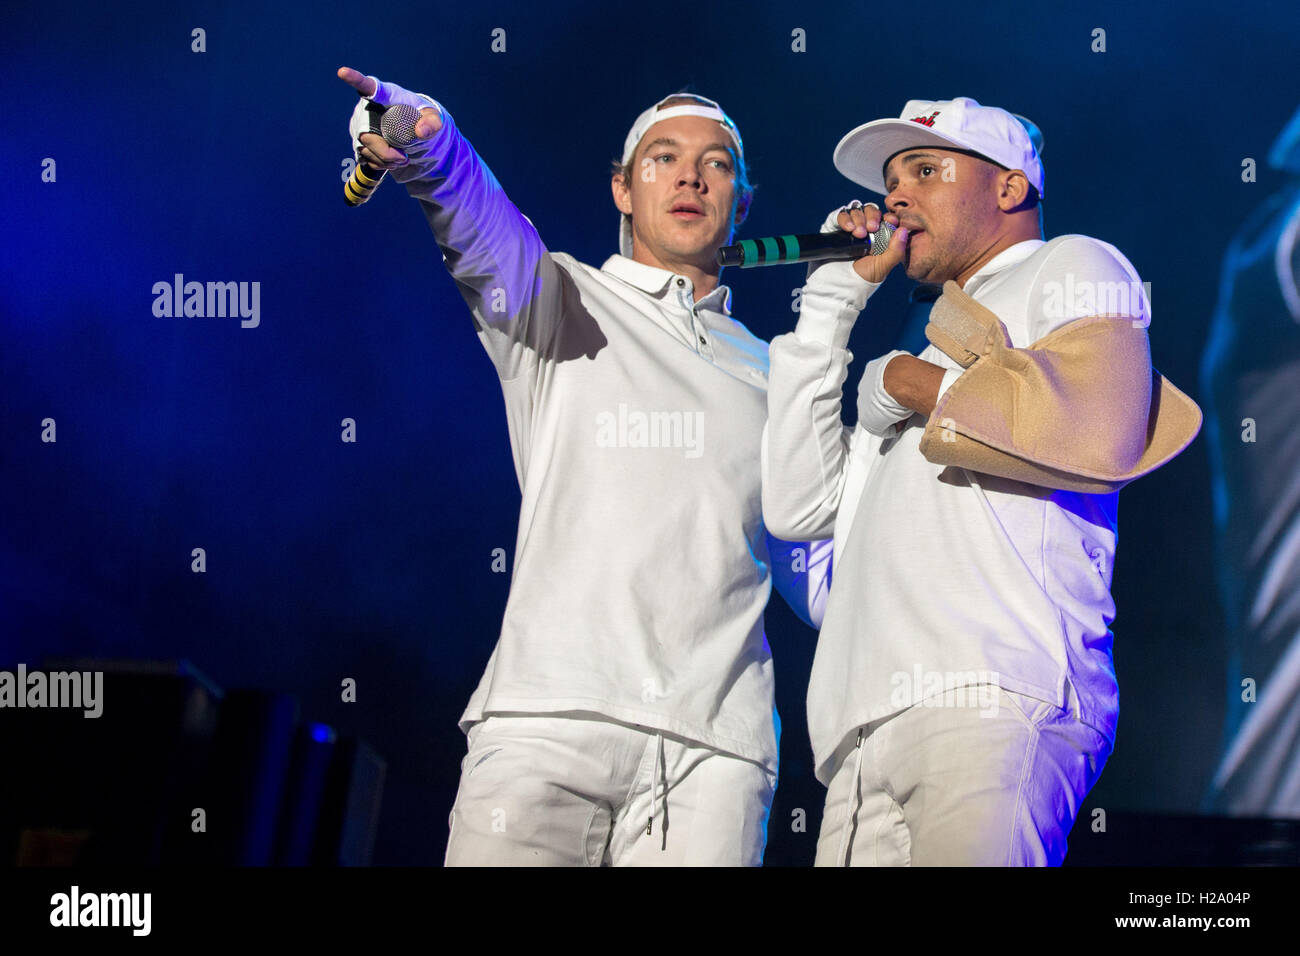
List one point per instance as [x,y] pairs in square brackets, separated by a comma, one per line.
[963,699]
[627,713]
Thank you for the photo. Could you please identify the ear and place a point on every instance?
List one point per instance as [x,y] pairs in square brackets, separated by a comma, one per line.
[622,194]
[742,207]
[1013,189]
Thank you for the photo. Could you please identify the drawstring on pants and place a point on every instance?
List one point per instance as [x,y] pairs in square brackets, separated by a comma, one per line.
[654,793]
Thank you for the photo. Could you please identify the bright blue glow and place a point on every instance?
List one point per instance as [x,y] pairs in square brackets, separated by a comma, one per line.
[322,733]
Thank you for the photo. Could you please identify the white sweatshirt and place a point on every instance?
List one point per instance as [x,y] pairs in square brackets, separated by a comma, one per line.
[642,566]
[943,580]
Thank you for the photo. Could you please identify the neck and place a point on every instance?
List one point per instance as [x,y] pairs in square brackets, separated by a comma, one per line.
[998,245]
[705,280]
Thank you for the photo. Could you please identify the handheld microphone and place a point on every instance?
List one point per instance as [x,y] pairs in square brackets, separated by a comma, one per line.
[778,250]
[397,127]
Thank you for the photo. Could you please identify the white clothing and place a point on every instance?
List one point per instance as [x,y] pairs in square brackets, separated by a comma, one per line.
[943,577]
[564,790]
[993,780]
[635,411]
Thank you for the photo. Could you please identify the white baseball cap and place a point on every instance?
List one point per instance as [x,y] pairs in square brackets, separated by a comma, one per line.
[655,114]
[959,123]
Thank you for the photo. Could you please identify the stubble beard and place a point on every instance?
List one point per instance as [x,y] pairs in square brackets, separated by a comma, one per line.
[686,250]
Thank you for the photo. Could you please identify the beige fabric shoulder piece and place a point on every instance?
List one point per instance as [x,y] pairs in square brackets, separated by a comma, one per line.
[1079,410]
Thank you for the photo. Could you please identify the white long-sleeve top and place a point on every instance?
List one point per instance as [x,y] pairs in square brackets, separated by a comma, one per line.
[943,579]
[635,412]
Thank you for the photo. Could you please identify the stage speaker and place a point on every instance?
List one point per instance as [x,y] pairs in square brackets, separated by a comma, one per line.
[113,788]
[349,816]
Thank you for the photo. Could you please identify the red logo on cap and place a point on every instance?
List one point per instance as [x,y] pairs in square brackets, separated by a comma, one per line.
[925,120]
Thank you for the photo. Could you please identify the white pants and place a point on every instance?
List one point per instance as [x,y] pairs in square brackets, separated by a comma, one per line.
[579,790]
[946,786]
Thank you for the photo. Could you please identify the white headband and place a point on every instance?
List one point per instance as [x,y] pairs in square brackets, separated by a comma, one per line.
[654,115]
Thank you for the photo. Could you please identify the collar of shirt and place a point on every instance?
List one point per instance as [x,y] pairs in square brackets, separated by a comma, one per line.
[652,280]
[1008,257]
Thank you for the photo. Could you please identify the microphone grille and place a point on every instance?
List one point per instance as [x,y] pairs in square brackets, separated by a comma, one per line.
[880,239]
[397,125]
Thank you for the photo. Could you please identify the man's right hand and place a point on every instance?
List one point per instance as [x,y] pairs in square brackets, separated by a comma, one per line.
[373,151]
[862,220]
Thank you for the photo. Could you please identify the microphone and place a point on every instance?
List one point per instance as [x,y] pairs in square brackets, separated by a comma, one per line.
[397,127]
[778,250]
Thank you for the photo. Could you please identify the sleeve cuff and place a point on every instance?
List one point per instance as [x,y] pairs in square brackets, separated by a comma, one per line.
[432,152]
[830,304]
[949,377]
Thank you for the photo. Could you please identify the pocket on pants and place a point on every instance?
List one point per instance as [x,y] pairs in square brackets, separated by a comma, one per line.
[1034,712]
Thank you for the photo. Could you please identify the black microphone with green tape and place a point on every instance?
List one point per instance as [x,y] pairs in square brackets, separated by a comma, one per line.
[809,247]
[396,124]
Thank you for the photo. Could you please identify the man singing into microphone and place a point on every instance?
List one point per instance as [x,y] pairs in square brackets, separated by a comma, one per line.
[963,700]
[626,715]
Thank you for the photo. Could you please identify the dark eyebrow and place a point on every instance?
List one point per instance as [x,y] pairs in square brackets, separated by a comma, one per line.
[910,157]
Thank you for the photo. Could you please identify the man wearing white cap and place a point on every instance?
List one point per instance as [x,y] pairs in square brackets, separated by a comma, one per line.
[626,715]
[963,698]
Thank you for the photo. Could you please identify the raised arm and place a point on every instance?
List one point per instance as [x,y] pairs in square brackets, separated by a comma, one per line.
[805,443]
[503,271]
